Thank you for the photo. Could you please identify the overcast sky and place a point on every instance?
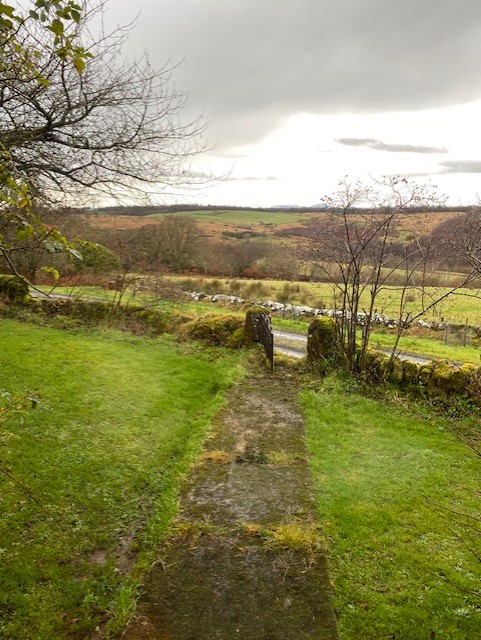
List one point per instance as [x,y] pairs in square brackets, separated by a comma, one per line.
[299,93]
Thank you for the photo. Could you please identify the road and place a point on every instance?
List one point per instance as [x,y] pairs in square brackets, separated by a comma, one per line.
[295,345]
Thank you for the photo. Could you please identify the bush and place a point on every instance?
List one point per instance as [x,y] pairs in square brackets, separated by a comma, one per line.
[13,288]
[437,377]
[96,258]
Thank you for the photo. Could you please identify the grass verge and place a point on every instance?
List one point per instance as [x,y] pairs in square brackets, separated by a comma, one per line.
[96,469]
[403,565]
[428,348]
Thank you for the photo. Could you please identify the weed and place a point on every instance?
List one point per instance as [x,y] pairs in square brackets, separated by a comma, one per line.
[283,458]
[217,456]
[291,535]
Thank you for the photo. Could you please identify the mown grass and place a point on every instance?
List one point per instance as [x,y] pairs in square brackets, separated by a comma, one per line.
[386,478]
[95,467]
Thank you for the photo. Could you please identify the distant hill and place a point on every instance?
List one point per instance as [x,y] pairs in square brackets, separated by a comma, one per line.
[159,208]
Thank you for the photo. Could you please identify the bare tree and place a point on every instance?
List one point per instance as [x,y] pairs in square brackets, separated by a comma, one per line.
[178,238]
[77,120]
[115,127]
[353,249]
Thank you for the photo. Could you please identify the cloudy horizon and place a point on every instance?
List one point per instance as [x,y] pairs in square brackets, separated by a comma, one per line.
[300,94]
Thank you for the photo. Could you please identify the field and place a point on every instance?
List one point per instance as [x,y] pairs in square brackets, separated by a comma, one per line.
[239,218]
[213,222]
[430,345]
[391,482]
[89,476]
[216,222]
[465,304]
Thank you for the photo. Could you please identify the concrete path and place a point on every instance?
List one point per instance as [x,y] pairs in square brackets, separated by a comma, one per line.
[246,559]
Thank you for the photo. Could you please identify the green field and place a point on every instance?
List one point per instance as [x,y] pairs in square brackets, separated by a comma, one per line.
[391,483]
[239,218]
[465,304]
[89,477]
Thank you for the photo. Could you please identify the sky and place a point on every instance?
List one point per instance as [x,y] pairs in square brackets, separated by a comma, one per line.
[298,94]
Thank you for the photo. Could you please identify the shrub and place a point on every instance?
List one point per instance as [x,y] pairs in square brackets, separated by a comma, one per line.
[96,258]
[13,288]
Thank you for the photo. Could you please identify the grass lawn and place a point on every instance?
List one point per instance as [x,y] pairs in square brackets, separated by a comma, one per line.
[96,465]
[384,475]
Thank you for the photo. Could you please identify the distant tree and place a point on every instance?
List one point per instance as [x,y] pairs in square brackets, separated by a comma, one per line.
[177,240]
[460,237]
[235,257]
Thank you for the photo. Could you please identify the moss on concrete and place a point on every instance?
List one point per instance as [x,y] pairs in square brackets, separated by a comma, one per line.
[322,343]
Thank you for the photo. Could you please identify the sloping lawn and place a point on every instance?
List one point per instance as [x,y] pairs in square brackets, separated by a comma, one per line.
[95,467]
[386,477]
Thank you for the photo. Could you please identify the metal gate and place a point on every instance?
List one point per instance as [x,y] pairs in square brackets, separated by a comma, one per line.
[262,331]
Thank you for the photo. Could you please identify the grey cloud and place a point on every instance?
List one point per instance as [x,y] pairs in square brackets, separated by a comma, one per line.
[357,142]
[461,166]
[407,148]
[378,145]
[248,65]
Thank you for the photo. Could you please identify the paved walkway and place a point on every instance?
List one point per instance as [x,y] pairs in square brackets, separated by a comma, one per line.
[246,559]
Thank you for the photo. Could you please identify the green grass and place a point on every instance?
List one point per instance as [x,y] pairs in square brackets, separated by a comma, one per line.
[399,562]
[238,217]
[97,467]
[429,348]
[455,309]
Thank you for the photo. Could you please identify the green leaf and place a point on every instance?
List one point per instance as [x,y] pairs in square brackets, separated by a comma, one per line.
[53,272]
[43,81]
[6,10]
[22,234]
[5,23]
[79,64]
[57,27]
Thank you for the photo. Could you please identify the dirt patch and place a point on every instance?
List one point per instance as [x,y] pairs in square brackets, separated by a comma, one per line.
[221,575]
